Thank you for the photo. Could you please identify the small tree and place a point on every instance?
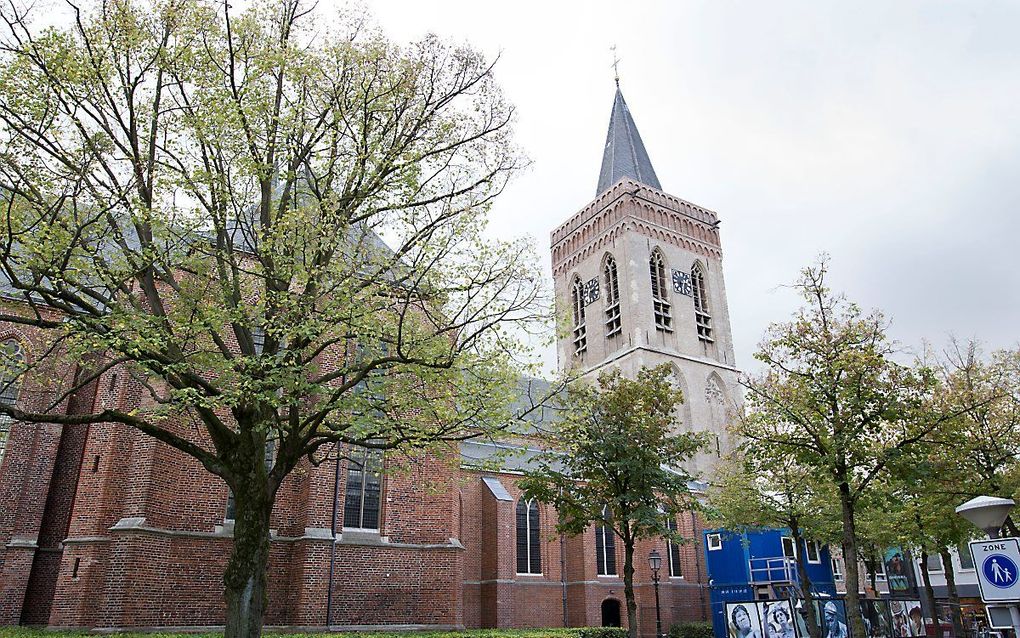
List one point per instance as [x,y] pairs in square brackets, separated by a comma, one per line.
[198,197]
[758,488]
[616,461]
[833,396]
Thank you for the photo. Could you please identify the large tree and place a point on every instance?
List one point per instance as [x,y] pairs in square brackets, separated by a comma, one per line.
[273,220]
[616,460]
[761,487]
[834,397]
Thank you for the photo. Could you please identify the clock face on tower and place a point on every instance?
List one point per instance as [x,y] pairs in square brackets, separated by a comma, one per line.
[682,283]
[591,291]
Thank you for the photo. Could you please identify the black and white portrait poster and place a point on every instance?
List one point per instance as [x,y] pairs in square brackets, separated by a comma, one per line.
[743,620]
[777,618]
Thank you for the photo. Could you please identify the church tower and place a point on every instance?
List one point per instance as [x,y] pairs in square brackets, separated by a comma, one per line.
[638,276]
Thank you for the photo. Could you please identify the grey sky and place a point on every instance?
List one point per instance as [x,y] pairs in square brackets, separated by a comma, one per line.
[885,133]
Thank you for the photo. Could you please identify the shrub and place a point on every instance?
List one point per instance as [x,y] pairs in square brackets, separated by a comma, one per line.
[601,632]
[692,630]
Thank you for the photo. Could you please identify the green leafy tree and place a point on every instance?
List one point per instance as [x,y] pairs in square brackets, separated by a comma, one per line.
[197,197]
[833,396]
[616,460]
[757,488]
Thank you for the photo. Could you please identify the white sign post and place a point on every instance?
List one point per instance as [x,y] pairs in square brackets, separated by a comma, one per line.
[997,563]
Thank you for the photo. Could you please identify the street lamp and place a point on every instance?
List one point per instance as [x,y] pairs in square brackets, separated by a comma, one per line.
[655,562]
[987,513]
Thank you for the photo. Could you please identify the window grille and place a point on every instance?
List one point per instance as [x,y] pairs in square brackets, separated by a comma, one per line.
[673,551]
[702,316]
[660,299]
[364,488]
[605,549]
[580,331]
[12,364]
[529,549]
[613,320]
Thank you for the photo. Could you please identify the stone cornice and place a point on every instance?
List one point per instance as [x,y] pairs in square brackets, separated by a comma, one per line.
[635,207]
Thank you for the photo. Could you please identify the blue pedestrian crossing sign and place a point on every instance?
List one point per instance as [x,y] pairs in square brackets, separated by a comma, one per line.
[998,572]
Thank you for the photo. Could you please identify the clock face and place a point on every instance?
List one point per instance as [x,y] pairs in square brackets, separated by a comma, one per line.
[682,283]
[591,291]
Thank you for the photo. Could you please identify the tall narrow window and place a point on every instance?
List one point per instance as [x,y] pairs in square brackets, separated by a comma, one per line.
[12,364]
[364,485]
[702,317]
[660,292]
[613,324]
[673,551]
[605,549]
[577,304]
[529,549]
[268,458]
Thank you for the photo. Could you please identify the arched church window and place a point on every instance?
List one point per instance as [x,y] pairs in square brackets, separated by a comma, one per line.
[660,300]
[364,488]
[612,283]
[673,551]
[577,305]
[529,548]
[12,364]
[702,317]
[605,548]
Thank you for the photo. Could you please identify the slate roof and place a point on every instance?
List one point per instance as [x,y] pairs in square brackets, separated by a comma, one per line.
[625,154]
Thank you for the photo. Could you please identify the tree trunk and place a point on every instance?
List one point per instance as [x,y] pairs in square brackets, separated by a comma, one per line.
[929,594]
[954,597]
[853,598]
[628,587]
[814,631]
[246,574]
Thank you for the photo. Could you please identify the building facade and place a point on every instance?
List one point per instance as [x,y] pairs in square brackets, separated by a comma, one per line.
[103,527]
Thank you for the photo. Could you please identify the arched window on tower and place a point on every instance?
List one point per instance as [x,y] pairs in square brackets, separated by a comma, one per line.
[660,292]
[702,318]
[577,305]
[529,548]
[12,364]
[605,548]
[612,283]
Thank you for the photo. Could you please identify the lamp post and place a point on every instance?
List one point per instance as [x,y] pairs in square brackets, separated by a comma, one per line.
[989,513]
[655,562]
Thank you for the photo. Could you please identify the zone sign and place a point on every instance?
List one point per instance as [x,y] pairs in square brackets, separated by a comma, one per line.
[997,563]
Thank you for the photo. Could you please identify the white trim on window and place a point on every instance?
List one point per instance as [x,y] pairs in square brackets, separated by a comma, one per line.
[813,545]
[714,542]
[789,547]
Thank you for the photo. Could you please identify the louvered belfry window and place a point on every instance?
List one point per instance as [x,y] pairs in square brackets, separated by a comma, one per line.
[702,317]
[529,548]
[613,323]
[577,304]
[660,292]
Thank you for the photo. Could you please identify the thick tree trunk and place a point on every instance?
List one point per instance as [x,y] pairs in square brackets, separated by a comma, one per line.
[814,631]
[628,587]
[929,594]
[853,598]
[954,596]
[246,574]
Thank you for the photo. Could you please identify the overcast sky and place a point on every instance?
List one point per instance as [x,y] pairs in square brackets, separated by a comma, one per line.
[884,133]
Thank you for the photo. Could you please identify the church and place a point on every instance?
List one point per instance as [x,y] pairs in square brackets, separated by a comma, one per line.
[103,527]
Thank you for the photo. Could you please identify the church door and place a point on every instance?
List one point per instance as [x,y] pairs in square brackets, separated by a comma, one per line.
[610,612]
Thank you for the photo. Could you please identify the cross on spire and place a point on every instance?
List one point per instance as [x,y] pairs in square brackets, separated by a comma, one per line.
[616,63]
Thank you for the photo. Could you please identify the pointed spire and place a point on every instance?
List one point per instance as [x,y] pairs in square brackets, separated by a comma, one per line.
[625,154]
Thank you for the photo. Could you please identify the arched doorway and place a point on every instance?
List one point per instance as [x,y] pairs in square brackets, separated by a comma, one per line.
[610,612]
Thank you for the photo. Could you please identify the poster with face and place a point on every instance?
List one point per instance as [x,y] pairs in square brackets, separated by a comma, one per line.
[900,618]
[777,618]
[833,618]
[882,623]
[915,621]
[743,620]
[897,570]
